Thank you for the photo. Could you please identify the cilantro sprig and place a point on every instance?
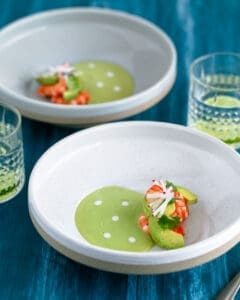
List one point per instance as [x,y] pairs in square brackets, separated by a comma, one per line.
[166,222]
[170,184]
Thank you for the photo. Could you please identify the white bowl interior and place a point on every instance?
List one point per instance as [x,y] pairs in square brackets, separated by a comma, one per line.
[42,41]
[131,155]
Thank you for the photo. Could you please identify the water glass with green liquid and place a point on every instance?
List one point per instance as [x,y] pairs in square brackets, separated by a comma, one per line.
[214,96]
[11,153]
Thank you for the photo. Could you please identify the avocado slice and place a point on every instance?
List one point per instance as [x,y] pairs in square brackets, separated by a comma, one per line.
[164,238]
[48,79]
[70,94]
[74,83]
[190,196]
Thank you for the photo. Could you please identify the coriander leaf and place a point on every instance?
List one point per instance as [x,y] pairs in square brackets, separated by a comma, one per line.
[168,222]
[169,183]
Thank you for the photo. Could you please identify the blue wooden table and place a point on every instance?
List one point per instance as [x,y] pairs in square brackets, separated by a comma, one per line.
[29,268]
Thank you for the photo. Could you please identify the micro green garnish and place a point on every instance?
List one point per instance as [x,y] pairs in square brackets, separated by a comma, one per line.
[166,222]
[172,201]
[170,184]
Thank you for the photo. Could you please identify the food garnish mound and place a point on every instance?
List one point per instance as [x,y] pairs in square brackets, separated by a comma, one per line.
[61,85]
[166,207]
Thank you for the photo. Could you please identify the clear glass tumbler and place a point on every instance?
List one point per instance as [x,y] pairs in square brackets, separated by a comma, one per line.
[11,153]
[214,96]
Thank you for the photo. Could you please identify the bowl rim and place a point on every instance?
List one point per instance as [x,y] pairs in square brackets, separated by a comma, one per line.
[195,63]
[198,249]
[6,92]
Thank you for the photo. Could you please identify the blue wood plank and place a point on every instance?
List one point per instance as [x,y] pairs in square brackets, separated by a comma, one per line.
[29,268]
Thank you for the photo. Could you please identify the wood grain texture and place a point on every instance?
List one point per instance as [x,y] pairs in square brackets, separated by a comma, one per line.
[29,268]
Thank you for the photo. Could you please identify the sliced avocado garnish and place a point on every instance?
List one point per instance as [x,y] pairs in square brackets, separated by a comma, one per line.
[165,238]
[74,83]
[48,79]
[190,196]
[70,94]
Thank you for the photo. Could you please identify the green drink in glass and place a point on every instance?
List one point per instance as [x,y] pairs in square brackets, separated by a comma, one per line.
[214,97]
[11,153]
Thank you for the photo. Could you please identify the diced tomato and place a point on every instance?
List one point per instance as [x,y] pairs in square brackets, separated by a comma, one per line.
[58,100]
[180,229]
[55,93]
[81,99]
[45,91]
[59,88]
[143,223]
[86,94]
[54,90]
[41,91]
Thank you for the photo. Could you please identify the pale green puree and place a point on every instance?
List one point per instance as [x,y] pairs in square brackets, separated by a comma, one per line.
[104,81]
[108,218]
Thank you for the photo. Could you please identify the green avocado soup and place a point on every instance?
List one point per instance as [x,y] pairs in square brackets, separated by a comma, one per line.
[108,217]
[104,81]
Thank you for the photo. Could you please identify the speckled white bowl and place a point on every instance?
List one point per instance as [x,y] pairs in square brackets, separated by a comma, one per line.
[132,154]
[32,44]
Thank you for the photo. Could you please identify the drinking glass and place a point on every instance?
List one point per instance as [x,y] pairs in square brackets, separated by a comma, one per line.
[214,96]
[11,153]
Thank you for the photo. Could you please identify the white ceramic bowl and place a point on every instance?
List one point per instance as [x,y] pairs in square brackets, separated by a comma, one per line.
[132,154]
[32,44]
